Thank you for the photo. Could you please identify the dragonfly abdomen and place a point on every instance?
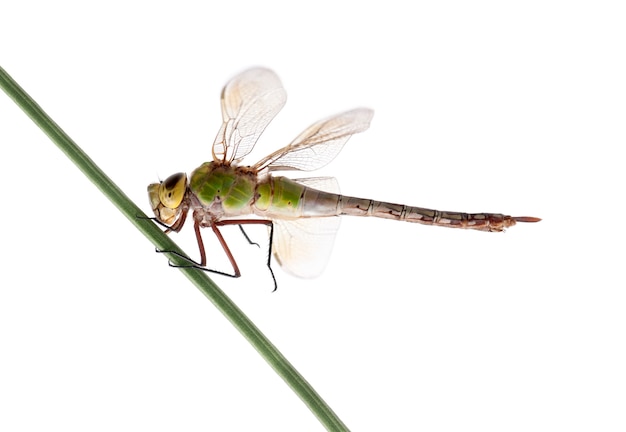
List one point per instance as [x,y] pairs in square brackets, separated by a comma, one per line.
[494,222]
[280,197]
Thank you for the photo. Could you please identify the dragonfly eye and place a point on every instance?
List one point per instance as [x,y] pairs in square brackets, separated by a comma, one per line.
[172,190]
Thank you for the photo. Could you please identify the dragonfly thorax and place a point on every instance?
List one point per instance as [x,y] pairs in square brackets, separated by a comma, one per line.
[223,190]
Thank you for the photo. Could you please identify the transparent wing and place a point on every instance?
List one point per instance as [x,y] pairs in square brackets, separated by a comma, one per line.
[319,143]
[303,246]
[249,103]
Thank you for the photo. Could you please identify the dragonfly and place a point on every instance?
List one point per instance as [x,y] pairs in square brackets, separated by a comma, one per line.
[302,215]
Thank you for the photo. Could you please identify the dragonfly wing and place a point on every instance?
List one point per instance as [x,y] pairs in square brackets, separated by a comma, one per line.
[319,143]
[249,103]
[303,246]
[326,184]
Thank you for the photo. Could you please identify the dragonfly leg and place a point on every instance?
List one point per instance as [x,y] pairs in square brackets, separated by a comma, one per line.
[229,254]
[215,227]
[176,226]
[158,222]
[265,222]
[202,264]
[180,221]
[193,264]
[247,237]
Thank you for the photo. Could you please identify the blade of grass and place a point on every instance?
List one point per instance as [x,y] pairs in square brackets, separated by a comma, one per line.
[199,278]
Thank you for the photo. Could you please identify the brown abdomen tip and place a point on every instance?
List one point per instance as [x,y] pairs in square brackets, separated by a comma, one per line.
[526,219]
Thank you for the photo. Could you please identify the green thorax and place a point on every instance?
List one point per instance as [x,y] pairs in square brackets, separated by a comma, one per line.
[233,187]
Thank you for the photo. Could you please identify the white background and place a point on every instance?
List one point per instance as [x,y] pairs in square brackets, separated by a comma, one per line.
[517,109]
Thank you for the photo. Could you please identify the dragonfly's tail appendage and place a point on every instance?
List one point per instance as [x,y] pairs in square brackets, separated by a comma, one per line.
[526,219]
[491,222]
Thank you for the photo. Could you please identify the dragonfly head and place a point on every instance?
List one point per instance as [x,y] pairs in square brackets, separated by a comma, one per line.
[167,196]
